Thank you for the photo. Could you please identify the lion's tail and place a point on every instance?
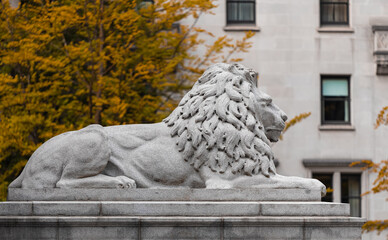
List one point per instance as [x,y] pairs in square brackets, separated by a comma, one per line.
[17,183]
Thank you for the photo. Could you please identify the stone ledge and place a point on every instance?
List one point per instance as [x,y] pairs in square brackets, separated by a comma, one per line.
[165,209]
[335,29]
[239,28]
[139,194]
[181,228]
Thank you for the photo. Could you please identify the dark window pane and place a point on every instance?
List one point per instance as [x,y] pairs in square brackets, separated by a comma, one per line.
[351,192]
[246,12]
[335,110]
[327,13]
[232,11]
[327,180]
[334,12]
[334,1]
[240,11]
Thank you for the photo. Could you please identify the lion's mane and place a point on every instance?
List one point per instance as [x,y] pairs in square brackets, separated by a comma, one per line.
[217,123]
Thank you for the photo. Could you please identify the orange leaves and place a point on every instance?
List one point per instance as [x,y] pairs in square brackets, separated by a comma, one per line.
[381,181]
[376,225]
[66,64]
[382,117]
[294,121]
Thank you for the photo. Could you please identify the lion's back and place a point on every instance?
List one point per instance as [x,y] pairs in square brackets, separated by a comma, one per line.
[147,154]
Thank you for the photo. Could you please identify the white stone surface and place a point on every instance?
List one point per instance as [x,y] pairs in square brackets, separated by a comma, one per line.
[85,208]
[172,208]
[144,194]
[305,209]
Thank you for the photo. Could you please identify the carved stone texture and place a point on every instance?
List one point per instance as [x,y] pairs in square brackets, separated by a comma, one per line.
[381,48]
[381,41]
[218,137]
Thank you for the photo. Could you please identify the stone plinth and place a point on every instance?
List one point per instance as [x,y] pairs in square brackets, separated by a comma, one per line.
[192,216]
[171,194]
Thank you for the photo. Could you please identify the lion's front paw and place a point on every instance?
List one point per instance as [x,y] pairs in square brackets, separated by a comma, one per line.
[321,187]
[125,182]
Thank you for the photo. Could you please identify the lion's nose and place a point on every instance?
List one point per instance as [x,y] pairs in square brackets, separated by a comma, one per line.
[284,116]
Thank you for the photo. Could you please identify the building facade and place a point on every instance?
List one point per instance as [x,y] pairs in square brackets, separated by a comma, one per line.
[327,57]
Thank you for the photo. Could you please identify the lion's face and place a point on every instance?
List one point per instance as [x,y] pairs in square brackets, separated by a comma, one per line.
[271,116]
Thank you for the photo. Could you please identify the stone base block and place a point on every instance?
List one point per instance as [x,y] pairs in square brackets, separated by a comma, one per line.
[174,214]
[93,208]
[169,194]
[58,227]
[177,220]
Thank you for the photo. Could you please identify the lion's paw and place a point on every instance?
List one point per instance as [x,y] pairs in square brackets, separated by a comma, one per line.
[125,182]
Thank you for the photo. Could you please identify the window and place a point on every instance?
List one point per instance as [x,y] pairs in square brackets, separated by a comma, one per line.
[327,180]
[349,189]
[351,192]
[240,12]
[335,99]
[334,12]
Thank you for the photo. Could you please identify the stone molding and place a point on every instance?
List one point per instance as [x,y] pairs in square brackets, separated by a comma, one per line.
[322,162]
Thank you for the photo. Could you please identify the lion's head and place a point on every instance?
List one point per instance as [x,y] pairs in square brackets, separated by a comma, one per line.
[225,122]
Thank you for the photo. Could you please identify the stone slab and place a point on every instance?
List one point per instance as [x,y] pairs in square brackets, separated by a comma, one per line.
[15,208]
[66,208]
[180,209]
[168,208]
[58,194]
[62,227]
[304,209]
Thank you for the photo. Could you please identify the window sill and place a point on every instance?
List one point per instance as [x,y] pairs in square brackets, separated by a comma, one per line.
[336,128]
[335,29]
[237,28]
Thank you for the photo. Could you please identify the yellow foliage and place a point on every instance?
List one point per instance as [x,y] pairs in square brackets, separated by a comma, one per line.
[382,117]
[294,121]
[65,64]
[380,184]
[376,225]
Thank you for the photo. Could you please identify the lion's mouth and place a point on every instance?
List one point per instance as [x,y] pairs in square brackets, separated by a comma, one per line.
[274,129]
[273,134]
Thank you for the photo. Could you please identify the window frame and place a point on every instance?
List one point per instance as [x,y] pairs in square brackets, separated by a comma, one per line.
[346,199]
[332,23]
[231,22]
[337,185]
[348,98]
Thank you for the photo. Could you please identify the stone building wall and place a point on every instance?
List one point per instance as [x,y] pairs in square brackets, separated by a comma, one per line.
[291,51]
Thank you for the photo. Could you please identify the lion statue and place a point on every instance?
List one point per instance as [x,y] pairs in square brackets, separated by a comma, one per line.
[218,137]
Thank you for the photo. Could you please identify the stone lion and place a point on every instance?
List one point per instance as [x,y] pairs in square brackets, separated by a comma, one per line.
[218,137]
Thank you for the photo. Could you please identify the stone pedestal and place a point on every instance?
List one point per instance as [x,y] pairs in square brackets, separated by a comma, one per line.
[174,214]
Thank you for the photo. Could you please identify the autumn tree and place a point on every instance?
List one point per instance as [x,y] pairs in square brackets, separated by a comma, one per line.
[65,64]
[380,184]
